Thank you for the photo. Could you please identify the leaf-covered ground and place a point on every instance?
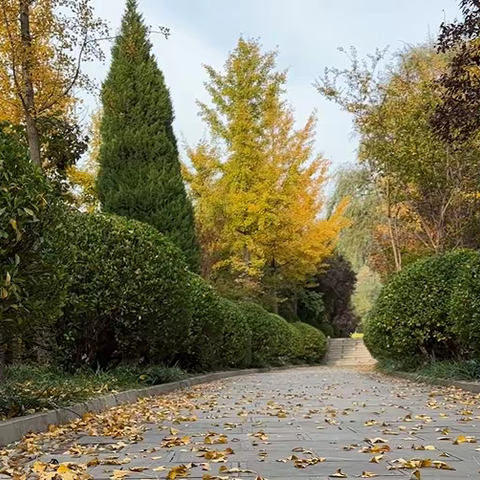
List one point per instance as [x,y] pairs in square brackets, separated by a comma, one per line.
[33,388]
[311,423]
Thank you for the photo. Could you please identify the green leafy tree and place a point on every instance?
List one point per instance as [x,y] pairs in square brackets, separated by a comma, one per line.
[140,175]
[428,191]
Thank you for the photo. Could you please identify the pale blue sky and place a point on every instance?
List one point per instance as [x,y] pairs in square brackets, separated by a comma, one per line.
[306,32]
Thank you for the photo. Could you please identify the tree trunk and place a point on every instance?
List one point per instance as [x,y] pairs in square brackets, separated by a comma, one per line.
[28,92]
[275,302]
[275,288]
[397,256]
[15,351]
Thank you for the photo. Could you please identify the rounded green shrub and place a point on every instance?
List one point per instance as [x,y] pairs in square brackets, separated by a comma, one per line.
[270,336]
[287,344]
[33,246]
[465,306]
[236,336]
[129,295]
[204,346]
[410,319]
[314,343]
[295,343]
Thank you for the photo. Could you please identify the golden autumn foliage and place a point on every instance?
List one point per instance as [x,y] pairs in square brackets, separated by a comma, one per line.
[60,31]
[43,45]
[48,81]
[257,184]
[82,179]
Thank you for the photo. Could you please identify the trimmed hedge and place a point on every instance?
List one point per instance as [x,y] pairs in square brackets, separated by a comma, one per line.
[270,335]
[237,336]
[413,319]
[284,342]
[129,295]
[205,337]
[464,313]
[314,343]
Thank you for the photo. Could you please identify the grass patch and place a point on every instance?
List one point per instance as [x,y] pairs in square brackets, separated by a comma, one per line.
[31,388]
[467,370]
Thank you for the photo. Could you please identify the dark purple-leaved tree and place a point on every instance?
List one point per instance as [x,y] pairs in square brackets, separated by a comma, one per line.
[457,118]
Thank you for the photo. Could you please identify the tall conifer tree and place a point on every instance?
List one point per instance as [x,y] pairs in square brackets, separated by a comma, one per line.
[140,175]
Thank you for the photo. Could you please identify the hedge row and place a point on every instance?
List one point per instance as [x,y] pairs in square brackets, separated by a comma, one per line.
[119,291]
[430,310]
[131,298]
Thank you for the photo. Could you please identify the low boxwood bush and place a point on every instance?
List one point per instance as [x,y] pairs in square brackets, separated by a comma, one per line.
[129,295]
[464,313]
[314,343]
[411,319]
[205,337]
[236,336]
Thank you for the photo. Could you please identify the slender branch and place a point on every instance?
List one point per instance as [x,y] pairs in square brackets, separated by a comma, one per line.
[14,63]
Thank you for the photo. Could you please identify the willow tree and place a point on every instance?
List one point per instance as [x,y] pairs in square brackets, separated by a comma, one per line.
[257,182]
[427,189]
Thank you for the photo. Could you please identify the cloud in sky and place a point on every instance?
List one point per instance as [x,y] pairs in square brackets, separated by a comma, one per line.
[306,32]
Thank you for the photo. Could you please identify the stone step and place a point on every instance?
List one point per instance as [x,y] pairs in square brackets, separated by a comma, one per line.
[348,349]
[347,357]
[351,364]
[354,352]
[348,352]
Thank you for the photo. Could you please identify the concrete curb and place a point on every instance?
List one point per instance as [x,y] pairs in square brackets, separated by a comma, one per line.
[16,428]
[473,387]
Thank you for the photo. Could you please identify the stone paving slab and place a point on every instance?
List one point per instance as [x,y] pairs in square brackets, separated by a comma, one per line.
[260,419]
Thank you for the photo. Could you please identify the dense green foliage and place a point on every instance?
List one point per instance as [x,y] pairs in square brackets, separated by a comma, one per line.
[32,243]
[414,318]
[140,175]
[237,336]
[205,338]
[270,336]
[327,305]
[128,296]
[464,311]
[314,343]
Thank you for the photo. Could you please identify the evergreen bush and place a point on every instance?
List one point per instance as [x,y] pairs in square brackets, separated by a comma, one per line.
[34,246]
[314,343]
[411,319]
[129,295]
[464,308]
[140,174]
[237,336]
[205,336]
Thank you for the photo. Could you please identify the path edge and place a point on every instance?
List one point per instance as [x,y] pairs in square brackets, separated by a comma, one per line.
[473,387]
[16,428]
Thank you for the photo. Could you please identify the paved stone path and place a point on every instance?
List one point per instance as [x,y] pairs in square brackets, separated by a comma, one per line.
[266,426]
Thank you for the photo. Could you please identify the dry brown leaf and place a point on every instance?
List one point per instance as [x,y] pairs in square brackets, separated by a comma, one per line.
[118,474]
[339,474]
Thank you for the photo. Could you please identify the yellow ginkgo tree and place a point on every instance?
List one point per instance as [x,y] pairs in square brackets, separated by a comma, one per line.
[257,182]
[43,45]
